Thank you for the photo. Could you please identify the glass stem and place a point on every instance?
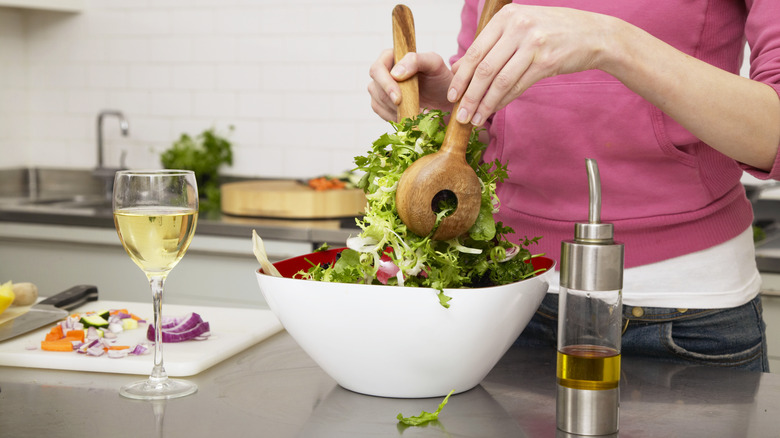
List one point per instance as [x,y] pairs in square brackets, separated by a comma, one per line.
[158,372]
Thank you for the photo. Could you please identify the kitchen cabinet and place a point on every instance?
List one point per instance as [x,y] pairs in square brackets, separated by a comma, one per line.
[48,5]
[217,270]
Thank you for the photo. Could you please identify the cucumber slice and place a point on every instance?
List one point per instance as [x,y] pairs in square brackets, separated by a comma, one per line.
[94,321]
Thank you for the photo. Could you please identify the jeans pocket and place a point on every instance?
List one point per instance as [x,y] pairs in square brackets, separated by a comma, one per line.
[729,338]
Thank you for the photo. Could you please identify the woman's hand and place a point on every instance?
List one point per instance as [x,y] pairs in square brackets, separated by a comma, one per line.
[523,44]
[520,46]
[433,75]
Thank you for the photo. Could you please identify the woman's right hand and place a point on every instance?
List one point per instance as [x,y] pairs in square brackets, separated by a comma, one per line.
[433,75]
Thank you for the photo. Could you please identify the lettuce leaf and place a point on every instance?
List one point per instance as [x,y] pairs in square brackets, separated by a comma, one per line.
[424,417]
[472,260]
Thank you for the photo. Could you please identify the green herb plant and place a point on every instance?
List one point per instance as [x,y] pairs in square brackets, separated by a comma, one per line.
[204,154]
[483,257]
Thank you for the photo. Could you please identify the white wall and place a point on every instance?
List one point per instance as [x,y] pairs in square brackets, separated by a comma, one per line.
[291,77]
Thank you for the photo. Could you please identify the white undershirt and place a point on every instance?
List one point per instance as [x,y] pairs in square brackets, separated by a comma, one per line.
[719,277]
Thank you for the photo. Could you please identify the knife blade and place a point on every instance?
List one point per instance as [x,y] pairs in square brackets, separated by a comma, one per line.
[50,310]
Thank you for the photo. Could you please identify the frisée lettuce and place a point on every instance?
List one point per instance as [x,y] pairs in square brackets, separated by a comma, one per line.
[386,252]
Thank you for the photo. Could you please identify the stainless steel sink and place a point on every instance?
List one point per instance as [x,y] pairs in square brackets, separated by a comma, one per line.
[51,190]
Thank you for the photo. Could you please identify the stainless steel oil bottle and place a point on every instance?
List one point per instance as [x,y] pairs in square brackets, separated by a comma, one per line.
[589,323]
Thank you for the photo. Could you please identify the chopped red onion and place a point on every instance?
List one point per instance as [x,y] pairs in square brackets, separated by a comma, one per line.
[181,329]
[118,354]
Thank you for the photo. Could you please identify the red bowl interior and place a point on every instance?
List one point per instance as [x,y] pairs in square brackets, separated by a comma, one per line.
[290,267]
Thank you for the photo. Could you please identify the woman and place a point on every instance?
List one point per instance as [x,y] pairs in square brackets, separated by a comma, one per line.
[651,91]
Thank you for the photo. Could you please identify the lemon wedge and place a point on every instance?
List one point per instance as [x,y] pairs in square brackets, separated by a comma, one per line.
[6,295]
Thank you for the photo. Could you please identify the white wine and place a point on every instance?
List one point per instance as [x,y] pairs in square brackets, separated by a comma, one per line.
[588,367]
[156,238]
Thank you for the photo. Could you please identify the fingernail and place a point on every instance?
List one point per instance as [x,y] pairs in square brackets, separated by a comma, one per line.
[394,97]
[452,95]
[477,119]
[398,70]
[462,116]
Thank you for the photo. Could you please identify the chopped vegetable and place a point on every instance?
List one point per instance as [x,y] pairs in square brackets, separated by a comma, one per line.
[55,333]
[64,344]
[327,183]
[129,324]
[386,252]
[424,417]
[94,320]
[78,335]
[188,327]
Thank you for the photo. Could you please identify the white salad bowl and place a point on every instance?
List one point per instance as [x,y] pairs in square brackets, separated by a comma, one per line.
[392,341]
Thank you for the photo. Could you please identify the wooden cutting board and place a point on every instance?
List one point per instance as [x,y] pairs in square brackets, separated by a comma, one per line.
[232,331]
[290,199]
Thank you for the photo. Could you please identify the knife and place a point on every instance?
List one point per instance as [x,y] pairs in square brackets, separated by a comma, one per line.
[50,310]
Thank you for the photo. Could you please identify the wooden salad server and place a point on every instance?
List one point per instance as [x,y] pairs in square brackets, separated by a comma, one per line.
[404,41]
[444,173]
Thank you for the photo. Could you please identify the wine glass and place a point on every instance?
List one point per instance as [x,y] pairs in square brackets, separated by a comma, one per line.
[155,214]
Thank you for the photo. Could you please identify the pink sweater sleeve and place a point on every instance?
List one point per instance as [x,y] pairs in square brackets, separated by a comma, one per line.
[469,17]
[762,30]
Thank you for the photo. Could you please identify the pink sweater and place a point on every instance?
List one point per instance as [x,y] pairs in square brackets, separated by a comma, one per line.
[666,192]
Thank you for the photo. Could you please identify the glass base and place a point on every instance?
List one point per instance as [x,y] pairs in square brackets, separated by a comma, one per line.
[151,390]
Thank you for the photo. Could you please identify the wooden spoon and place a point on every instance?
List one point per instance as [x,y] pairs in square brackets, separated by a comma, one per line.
[404,41]
[444,173]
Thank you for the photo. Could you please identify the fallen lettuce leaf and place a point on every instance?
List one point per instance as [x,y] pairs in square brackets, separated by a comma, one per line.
[424,417]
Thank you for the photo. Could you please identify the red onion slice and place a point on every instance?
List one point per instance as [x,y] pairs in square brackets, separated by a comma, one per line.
[182,329]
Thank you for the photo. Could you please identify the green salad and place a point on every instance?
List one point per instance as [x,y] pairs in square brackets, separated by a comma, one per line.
[386,252]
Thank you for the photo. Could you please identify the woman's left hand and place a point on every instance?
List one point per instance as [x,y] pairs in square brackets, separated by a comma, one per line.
[520,46]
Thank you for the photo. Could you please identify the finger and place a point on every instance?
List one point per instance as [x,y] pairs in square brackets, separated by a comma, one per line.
[383,112]
[405,68]
[493,63]
[381,102]
[507,85]
[380,73]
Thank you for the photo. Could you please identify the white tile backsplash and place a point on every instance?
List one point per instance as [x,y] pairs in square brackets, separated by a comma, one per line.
[290,77]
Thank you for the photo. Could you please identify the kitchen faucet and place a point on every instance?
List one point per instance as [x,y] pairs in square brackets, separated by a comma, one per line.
[107,173]
[123,125]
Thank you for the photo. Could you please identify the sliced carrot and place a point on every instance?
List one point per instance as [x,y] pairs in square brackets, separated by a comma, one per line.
[55,333]
[118,311]
[63,344]
[135,317]
[118,347]
[76,334]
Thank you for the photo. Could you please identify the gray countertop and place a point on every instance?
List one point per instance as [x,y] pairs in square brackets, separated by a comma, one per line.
[274,389]
[318,231]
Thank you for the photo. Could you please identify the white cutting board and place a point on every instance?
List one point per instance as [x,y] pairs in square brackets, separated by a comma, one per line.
[232,331]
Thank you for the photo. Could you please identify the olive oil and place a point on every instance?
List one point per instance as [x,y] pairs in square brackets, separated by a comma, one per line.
[588,367]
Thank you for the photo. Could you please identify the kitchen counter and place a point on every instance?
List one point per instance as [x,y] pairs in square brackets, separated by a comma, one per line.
[316,231]
[274,389]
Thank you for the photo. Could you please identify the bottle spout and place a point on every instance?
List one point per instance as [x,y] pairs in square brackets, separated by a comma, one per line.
[594,190]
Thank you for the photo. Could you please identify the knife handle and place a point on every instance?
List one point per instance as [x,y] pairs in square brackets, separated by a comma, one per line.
[73,297]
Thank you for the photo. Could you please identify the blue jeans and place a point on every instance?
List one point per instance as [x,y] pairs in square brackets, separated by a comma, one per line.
[732,338]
